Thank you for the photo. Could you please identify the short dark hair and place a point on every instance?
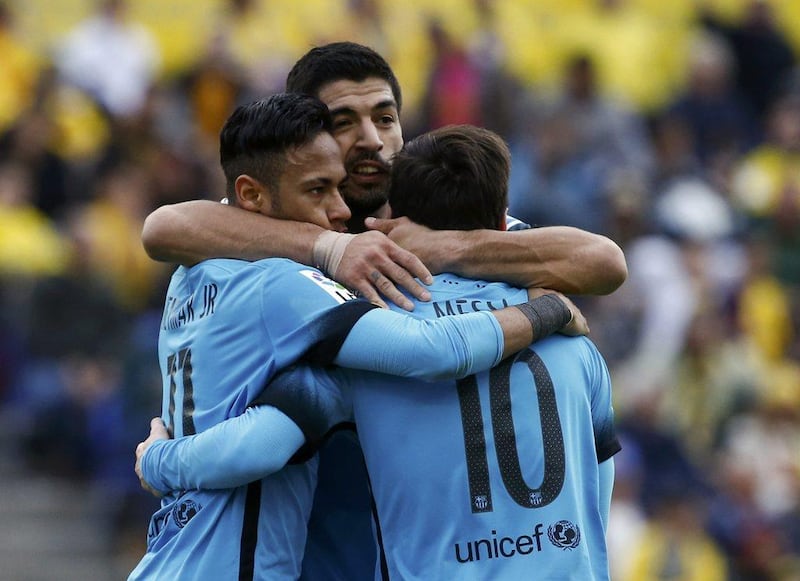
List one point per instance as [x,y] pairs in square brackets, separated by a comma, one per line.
[452,178]
[257,135]
[339,61]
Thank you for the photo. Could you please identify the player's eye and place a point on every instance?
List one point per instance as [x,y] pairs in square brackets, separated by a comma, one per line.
[341,123]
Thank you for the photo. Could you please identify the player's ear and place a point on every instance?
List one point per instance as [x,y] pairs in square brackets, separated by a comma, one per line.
[251,194]
[503,226]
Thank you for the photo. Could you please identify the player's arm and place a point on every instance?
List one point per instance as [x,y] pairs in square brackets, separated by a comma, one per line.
[380,340]
[370,263]
[232,453]
[288,421]
[562,258]
[388,342]
[606,488]
[261,441]
[607,443]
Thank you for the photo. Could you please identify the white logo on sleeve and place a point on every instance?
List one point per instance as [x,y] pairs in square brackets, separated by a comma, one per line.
[330,286]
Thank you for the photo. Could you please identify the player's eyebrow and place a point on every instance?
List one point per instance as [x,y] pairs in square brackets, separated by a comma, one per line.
[316,181]
[342,111]
[385,104]
[347,110]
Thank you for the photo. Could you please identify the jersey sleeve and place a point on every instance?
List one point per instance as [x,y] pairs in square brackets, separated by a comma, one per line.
[285,424]
[232,453]
[606,442]
[606,489]
[314,399]
[447,348]
[322,322]
[307,314]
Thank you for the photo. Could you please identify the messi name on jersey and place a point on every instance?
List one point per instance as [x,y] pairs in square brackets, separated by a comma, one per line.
[462,306]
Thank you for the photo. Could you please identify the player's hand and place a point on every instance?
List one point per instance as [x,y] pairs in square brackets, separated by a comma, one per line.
[411,236]
[374,265]
[578,325]
[158,431]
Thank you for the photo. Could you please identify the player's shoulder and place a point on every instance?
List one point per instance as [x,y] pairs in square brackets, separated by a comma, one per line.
[569,356]
[292,278]
[277,263]
[235,264]
[268,272]
[271,267]
[452,294]
[287,267]
[564,343]
[228,272]
[219,265]
[449,283]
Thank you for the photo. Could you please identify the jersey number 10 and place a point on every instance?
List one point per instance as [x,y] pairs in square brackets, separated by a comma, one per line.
[505,441]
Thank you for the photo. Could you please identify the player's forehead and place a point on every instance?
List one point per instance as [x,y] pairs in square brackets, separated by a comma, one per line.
[359,96]
[319,159]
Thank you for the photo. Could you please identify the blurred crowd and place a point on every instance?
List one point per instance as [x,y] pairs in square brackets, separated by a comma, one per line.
[671,127]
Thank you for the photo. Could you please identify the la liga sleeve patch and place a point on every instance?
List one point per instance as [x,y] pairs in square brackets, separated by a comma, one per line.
[339,292]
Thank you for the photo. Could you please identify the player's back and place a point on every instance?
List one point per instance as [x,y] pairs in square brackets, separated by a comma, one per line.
[494,476]
[228,326]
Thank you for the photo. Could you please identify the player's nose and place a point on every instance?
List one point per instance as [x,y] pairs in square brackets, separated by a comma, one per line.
[338,212]
[369,137]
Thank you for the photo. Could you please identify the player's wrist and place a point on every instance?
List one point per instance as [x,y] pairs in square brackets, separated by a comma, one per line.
[449,251]
[328,250]
[547,314]
[149,466]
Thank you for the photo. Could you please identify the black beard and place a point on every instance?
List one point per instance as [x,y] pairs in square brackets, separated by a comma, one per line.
[364,201]
[363,208]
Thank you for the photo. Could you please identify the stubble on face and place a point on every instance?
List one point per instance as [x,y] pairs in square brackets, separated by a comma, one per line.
[365,199]
[367,128]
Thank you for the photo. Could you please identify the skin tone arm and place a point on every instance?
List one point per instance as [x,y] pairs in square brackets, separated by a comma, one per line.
[190,232]
[566,259]
[561,258]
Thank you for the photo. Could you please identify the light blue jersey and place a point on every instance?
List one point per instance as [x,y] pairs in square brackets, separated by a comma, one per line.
[341,503]
[494,476]
[228,327]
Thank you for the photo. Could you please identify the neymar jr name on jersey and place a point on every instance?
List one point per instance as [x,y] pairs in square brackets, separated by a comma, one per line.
[180,311]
